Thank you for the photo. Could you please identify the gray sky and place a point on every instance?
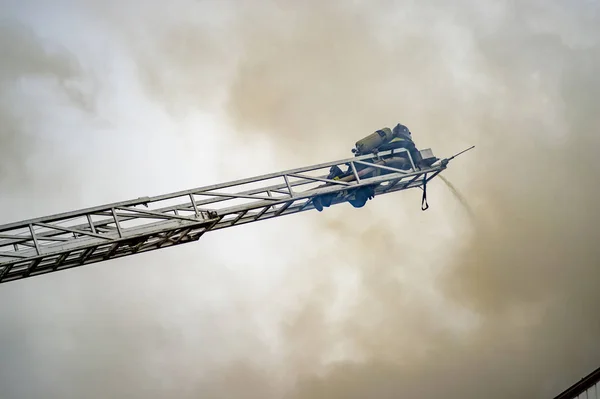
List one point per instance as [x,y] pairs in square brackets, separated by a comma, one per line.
[103,101]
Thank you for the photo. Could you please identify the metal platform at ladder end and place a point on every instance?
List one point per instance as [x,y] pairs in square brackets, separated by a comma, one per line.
[57,242]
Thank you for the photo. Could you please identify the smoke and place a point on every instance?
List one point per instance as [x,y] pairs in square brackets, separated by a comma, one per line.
[182,53]
[384,301]
[25,62]
[321,76]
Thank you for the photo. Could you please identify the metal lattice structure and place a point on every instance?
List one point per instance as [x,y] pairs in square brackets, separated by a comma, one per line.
[57,242]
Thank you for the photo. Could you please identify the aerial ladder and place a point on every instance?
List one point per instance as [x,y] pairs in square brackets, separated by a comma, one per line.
[102,233]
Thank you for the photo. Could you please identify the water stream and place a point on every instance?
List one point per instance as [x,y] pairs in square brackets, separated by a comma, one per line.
[459,197]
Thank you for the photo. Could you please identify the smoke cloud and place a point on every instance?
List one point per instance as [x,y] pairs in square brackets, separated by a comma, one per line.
[25,60]
[384,301]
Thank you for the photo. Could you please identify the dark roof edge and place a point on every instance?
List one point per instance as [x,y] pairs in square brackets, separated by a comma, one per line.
[581,386]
